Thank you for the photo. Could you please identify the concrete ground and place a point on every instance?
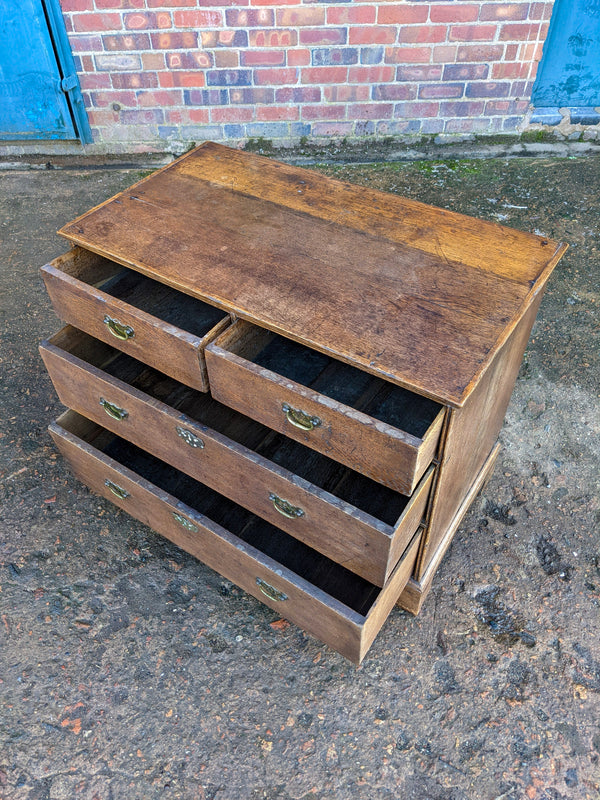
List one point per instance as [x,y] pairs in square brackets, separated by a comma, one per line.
[129,670]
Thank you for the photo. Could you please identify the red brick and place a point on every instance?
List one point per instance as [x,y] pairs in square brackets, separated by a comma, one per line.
[97,22]
[454,13]
[145,20]
[98,80]
[199,115]
[173,3]
[394,91]
[271,2]
[376,74]
[231,114]
[106,99]
[502,11]
[324,112]
[213,3]
[174,41]
[85,44]
[187,80]
[161,99]
[189,61]
[472,33]
[251,96]
[250,18]
[225,59]
[430,73]
[153,61]
[275,77]
[346,94]
[298,57]
[493,107]
[372,34]
[462,108]
[197,19]
[519,33]
[416,110]
[420,34]
[332,128]
[510,71]
[371,110]
[402,14]
[131,41]
[277,113]
[323,36]
[348,15]
[320,75]
[87,64]
[101,4]
[77,5]
[478,53]
[298,94]
[272,38]
[224,38]
[444,54]
[440,91]
[510,54]
[134,80]
[404,55]
[263,58]
[305,15]
[102,117]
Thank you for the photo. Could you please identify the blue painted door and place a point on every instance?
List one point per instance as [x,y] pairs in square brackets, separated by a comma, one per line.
[33,103]
[569,73]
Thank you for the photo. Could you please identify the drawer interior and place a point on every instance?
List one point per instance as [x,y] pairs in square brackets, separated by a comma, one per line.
[380,502]
[163,302]
[378,398]
[346,587]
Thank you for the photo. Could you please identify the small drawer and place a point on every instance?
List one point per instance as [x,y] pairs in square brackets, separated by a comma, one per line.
[142,317]
[339,512]
[340,608]
[370,425]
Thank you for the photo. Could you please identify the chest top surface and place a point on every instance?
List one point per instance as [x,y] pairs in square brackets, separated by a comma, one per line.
[418,295]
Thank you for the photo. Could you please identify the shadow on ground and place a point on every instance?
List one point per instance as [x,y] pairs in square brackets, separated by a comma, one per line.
[129,670]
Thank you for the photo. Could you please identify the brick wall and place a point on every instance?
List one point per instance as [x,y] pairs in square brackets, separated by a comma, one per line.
[157,73]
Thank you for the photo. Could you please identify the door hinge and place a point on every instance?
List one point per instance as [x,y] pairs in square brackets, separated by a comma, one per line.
[68,83]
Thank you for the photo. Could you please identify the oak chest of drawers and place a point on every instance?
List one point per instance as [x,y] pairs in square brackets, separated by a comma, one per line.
[299,381]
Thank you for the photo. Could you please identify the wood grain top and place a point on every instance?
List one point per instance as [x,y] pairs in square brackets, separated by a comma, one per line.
[420,296]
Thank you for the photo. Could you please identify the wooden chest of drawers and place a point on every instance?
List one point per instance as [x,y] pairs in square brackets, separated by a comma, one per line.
[298,381]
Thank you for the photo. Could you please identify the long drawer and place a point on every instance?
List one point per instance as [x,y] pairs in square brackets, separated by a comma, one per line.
[141,316]
[372,426]
[340,608]
[344,515]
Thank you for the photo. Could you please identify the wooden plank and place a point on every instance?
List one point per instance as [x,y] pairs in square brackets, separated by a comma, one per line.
[413,315]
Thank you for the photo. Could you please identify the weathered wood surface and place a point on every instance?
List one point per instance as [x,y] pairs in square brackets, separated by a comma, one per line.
[419,296]
[344,629]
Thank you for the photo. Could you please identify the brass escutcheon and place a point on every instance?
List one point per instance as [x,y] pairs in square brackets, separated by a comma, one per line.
[270,591]
[112,410]
[117,490]
[119,330]
[299,418]
[189,437]
[285,508]
[185,523]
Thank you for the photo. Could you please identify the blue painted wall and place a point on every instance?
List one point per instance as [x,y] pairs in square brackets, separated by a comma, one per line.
[569,73]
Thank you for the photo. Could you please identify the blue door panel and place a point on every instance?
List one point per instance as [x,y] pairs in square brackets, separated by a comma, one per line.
[569,73]
[32,102]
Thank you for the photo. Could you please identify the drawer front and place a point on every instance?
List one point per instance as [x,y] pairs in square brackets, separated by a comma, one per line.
[164,346]
[313,609]
[386,454]
[360,542]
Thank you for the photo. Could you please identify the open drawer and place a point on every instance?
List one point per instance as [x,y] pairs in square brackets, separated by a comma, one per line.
[140,316]
[339,512]
[338,607]
[372,426]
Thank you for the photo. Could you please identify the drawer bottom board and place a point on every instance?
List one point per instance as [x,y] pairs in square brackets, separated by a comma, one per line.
[340,608]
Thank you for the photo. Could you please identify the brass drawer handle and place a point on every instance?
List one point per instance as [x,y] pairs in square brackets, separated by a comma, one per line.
[117,490]
[299,418]
[270,591]
[119,330]
[185,523]
[189,437]
[112,410]
[285,508]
